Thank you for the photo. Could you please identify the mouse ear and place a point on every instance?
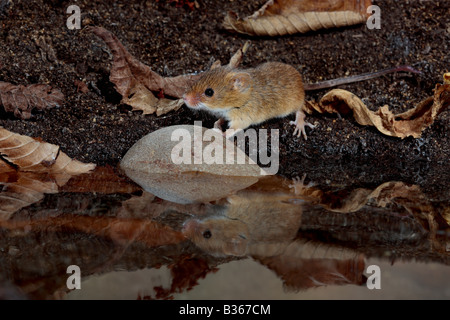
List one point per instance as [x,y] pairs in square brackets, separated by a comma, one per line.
[215,65]
[241,81]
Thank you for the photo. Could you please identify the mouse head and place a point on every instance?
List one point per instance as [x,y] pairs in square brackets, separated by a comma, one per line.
[218,235]
[219,89]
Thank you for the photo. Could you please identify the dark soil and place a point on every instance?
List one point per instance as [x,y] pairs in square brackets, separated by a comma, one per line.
[96,127]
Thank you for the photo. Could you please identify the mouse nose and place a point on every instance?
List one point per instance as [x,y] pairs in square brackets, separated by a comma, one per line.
[189,227]
[191,100]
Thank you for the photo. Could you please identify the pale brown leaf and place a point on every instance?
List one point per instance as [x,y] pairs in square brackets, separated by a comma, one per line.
[281,17]
[29,154]
[21,100]
[127,71]
[41,168]
[236,59]
[139,98]
[409,123]
[135,80]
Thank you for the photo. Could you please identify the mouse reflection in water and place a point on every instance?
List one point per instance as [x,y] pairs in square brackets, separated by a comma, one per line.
[248,224]
[265,227]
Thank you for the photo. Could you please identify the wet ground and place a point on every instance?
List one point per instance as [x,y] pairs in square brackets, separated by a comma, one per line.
[367,199]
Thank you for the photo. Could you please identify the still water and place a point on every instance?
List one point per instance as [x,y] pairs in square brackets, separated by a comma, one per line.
[265,238]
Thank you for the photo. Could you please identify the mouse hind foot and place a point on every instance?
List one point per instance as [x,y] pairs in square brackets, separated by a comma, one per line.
[300,124]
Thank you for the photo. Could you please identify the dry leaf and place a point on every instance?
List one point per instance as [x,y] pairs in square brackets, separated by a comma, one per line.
[21,100]
[236,59]
[135,81]
[28,154]
[409,123]
[281,17]
[41,168]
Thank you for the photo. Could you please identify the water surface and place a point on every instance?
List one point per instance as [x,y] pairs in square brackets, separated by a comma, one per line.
[271,239]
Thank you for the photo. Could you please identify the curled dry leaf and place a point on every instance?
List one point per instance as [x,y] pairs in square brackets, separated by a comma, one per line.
[236,59]
[29,154]
[409,123]
[21,100]
[42,168]
[281,17]
[135,81]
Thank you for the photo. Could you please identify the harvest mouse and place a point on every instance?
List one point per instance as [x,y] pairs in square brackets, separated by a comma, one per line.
[248,97]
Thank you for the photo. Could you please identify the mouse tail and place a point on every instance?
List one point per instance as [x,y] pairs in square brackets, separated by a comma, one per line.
[361,77]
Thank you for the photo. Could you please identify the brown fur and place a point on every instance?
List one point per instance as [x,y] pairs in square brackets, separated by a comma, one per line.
[251,96]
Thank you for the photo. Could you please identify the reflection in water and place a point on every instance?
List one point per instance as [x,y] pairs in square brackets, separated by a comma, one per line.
[307,235]
[249,223]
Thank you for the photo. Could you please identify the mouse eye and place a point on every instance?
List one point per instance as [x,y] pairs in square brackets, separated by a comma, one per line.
[207,234]
[209,92]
